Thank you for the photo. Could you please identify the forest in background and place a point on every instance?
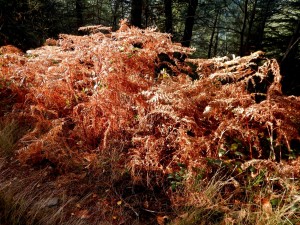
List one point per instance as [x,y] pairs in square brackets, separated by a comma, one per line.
[214,27]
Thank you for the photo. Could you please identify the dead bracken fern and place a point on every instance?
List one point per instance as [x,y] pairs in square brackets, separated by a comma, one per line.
[224,114]
[135,90]
[131,86]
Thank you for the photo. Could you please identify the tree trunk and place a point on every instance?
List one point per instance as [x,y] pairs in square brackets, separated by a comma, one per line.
[189,23]
[169,16]
[293,42]
[251,21]
[216,43]
[79,10]
[115,9]
[212,35]
[147,11]
[136,13]
[242,34]
[263,25]
[99,11]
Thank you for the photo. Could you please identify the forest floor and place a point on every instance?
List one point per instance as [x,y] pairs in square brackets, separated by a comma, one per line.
[127,128]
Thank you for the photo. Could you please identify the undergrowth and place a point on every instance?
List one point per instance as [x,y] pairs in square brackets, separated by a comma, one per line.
[163,136]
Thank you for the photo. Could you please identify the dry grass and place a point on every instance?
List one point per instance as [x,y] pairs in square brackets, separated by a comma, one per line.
[266,198]
[8,134]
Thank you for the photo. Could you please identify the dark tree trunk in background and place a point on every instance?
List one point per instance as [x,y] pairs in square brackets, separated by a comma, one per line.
[79,14]
[242,34]
[115,9]
[293,43]
[189,23]
[261,30]
[136,13]
[169,16]
[147,12]
[213,35]
[216,43]
[251,22]
[290,66]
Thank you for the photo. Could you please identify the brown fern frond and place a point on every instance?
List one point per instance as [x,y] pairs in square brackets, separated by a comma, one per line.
[137,91]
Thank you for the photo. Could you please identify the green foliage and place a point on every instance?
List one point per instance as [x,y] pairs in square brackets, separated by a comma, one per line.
[176,179]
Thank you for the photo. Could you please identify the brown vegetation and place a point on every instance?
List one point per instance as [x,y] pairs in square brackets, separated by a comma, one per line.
[118,125]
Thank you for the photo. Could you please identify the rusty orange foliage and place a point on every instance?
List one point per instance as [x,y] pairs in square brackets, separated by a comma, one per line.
[132,90]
